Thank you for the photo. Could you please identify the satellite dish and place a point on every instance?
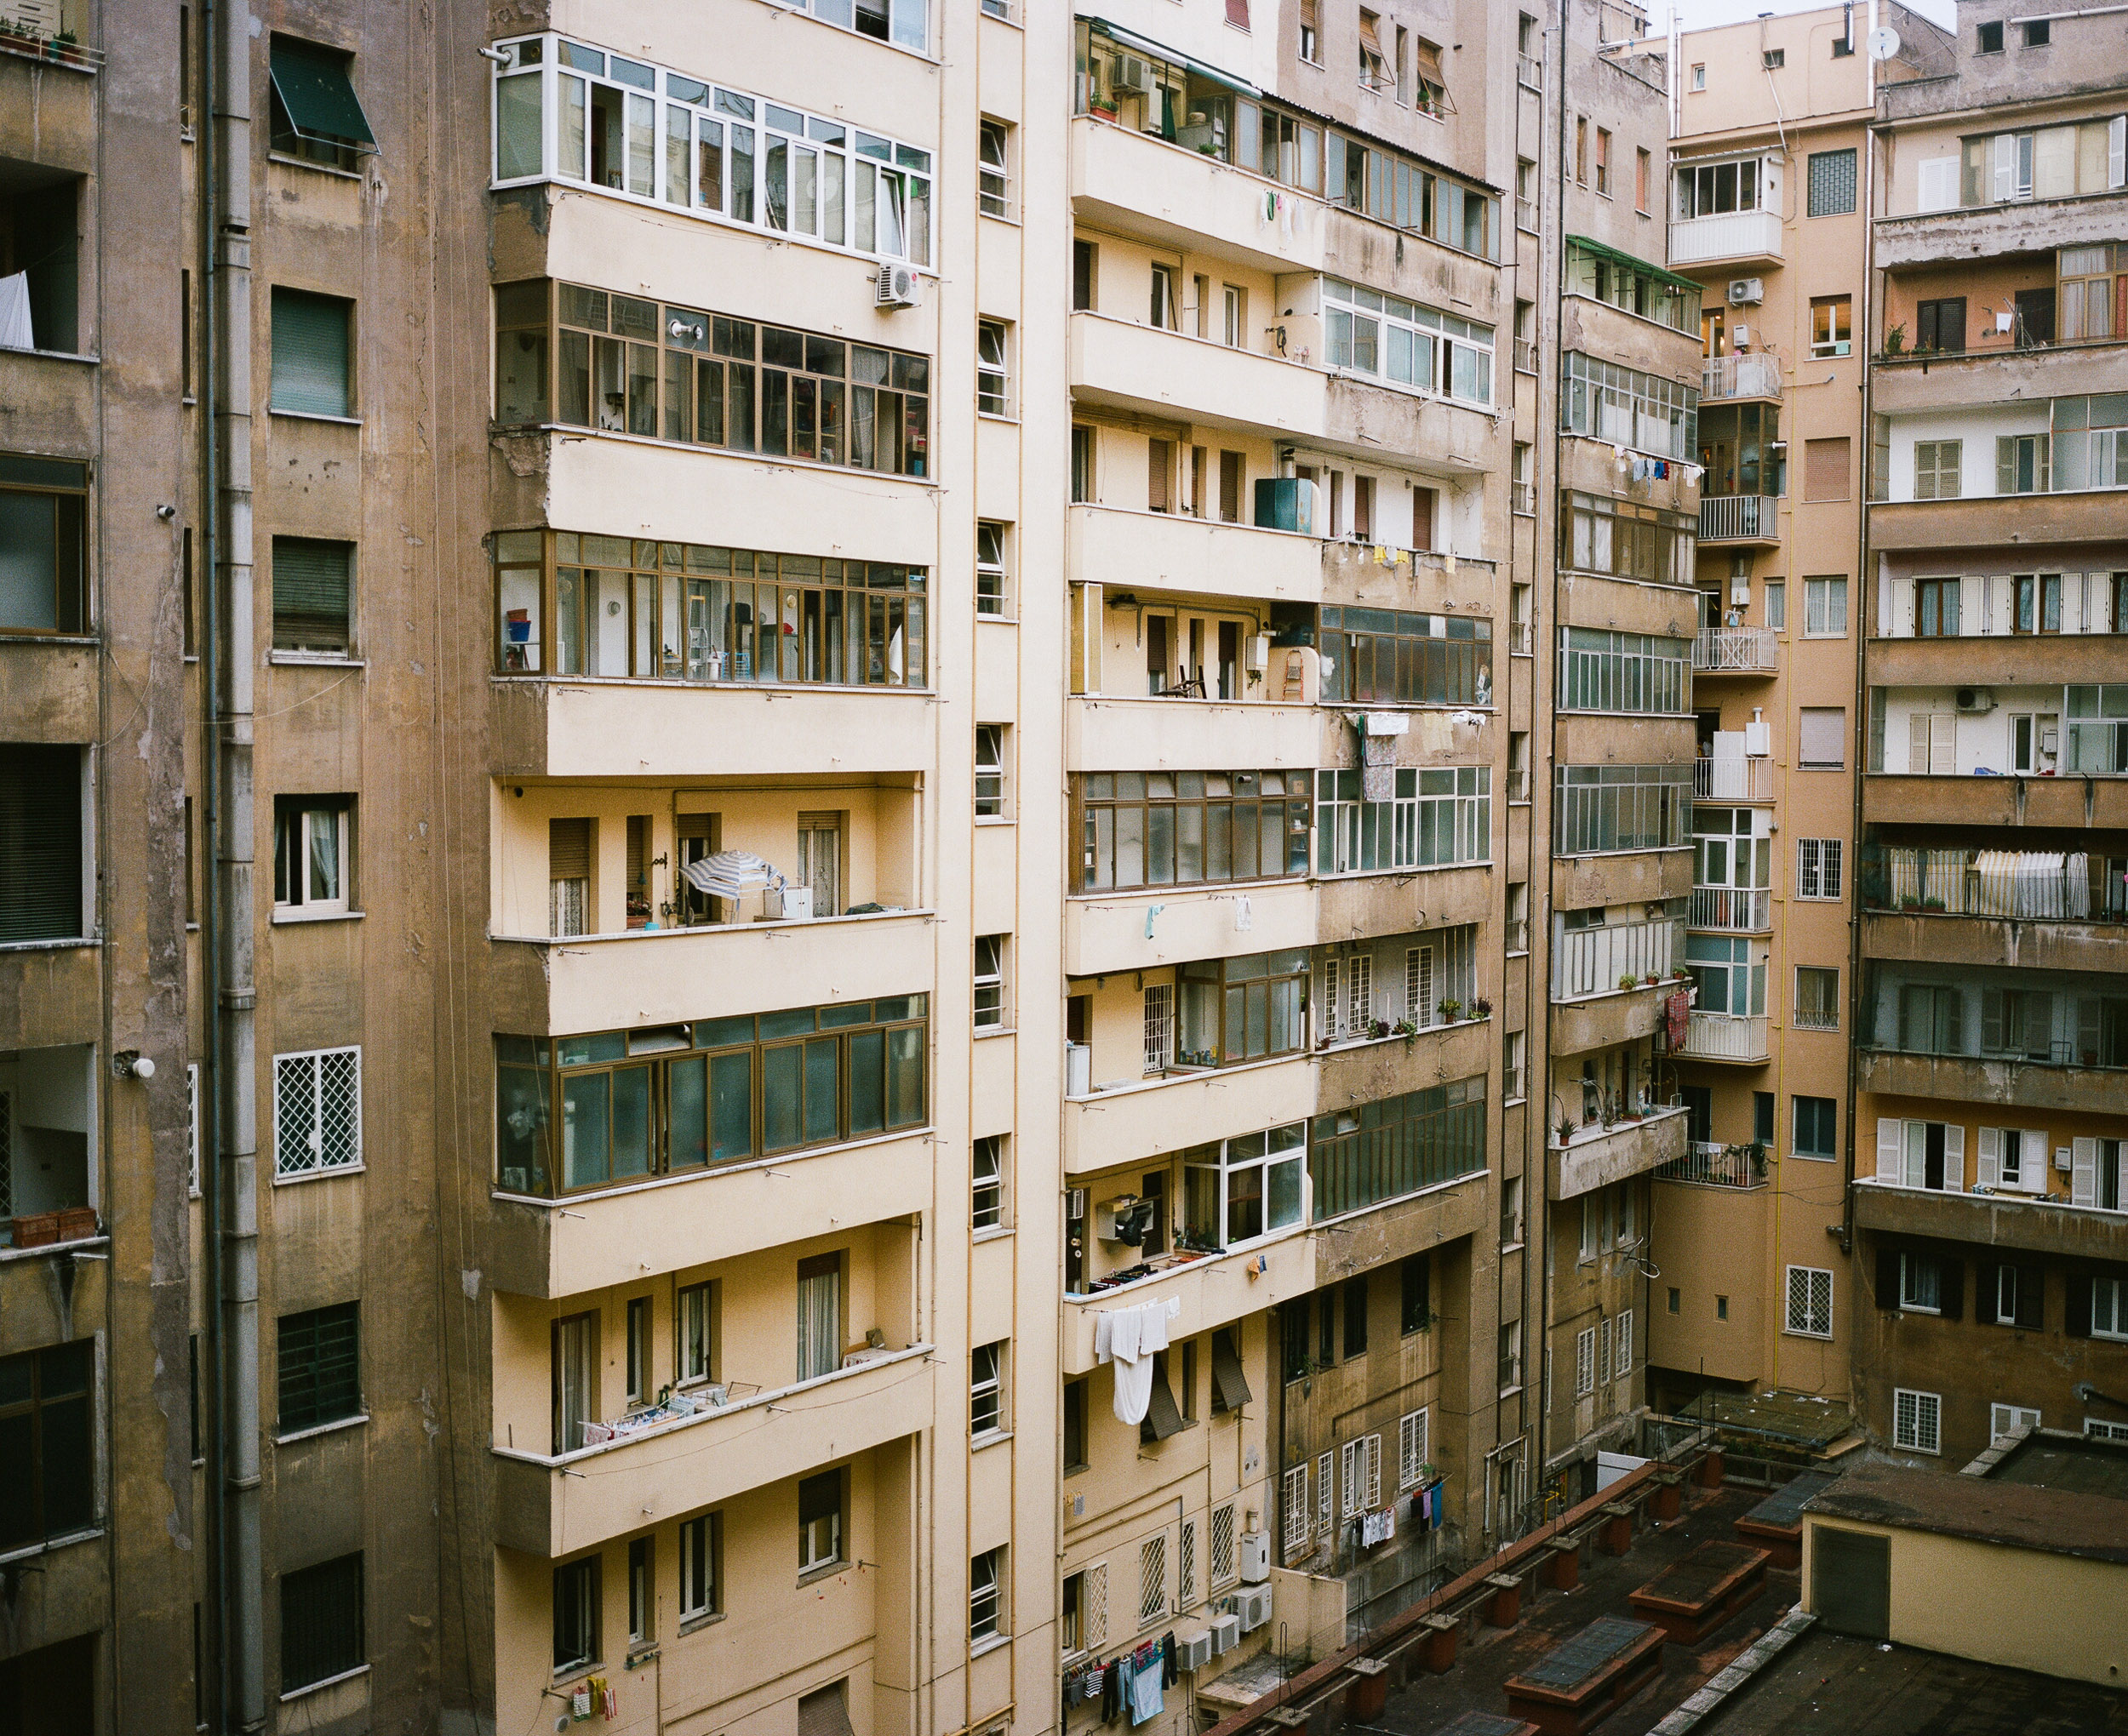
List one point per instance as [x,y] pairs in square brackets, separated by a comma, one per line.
[1884,43]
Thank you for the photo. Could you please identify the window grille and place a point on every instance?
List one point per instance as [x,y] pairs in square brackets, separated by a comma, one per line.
[1917,1421]
[1224,1567]
[1152,1580]
[1186,1568]
[317,1104]
[1585,1361]
[1411,1450]
[1159,1027]
[1810,1301]
[1293,1500]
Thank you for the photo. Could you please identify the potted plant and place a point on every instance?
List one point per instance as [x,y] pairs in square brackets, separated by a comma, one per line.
[1651,979]
[1679,973]
[1564,1130]
[1481,1008]
[1895,340]
[1450,1012]
[1378,1029]
[1933,904]
[1628,981]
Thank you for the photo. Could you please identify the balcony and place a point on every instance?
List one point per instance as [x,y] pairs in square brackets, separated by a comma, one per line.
[2030,1224]
[1740,377]
[1732,909]
[1129,550]
[1133,182]
[1595,1156]
[1172,734]
[1591,962]
[1108,931]
[713,1455]
[43,1303]
[1214,1290]
[1740,518]
[1941,938]
[1725,1036]
[2089,515]
[2010,1084]
[1132,1122]
[1623,1015]
[1733,237]
[1735,650]
[52,1096]
[1972,804]
[1712,1164]
[51,992]
[1127,365]
[1997,231]
[1732,780]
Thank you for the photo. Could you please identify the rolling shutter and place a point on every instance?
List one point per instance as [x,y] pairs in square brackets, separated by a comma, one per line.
[310,353]
[40,842]
[310,594]
[568,849]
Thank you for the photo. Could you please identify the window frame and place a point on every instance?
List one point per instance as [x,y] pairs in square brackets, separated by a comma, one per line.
[993,368]
[986,1622]
[993,570]
[585,1574]
[325,1407]
[298,824]
[699,1563]
[347,401]
[286,1168]
[1817,1019]
[1796,1147]
[1809,1317]
[1169,806]
[988,1389]
[1830,186]
[1209,1175]
[994,197]
[991,1012]
[996,1215]
[1905,1437]
[834,1539]
[990,772]
[1444,338]
[23,475]
[319,1579]
[294,630]
[80,1451]
[1820,870]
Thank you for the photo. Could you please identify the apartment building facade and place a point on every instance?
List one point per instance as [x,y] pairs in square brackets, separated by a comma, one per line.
[1990,1254]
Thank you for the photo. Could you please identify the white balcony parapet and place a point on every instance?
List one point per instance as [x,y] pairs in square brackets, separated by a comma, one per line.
[1732,780]
[1736,650]
[1740,519]
[1589,962]
[1732,235]
[1725,1036]
[1732,909]
[1740,376]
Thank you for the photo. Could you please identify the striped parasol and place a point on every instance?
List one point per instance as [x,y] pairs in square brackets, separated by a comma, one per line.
[728,873]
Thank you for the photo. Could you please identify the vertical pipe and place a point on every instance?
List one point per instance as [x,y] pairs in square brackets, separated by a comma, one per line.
[234,1232]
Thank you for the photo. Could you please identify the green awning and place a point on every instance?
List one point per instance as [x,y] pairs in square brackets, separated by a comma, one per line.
[1175,57]
[1631,263]
[313,86]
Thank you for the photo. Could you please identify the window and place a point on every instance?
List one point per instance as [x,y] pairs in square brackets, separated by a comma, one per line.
[616,607]
[985,1588]
[318,1110]
[1238,1190]
[1938,469]
[312,589]
[1699,75]
[2021,463]
[1928,1285]
[1512,1228]
[1625,407]
[820,1316]
[988,1182]
[312,854]
[990,568]
[576,1622]
[821,1521]
[1832,185]
[991,397]
[1989,38]
[1187,828]
[1917,1418]
[1825,467]
[1585,1361]
[985,1389]
[1360,1472]
[1823,738]
[695,1320]
[1603,161]
[670,1098]
[1818,868]
[1403,343]
[1601,808]
[1580,149]
[320,1366]
[1721,1308]
[1354,1293]
[1832,322]
[1732,975]
[44,545]
[1435,819]
[311,353]
[1164,309]
[1647,292]
[701,1542]
[316,115]
[1294,1507]
[1635,673]
[990,771]
[2084,300]
[1399,657]
[1809,1301]
[641,1593]
[1936,609]
[1940,325]
[1373,72]
[321,1623]
[1383,1150]
[990,982]
[1825,609]
[993,181]
[1816,1126]
[1715,189]
[1777,605]
[1817,998]
[1642,179]
[1230,1392]
[1773,58]
[1415,1311]
[41,842]
[636,1369]
[47,1443]
[1412,1446]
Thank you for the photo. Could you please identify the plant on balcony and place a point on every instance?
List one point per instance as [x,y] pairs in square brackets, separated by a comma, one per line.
[1909,902]
[1406,1028]
[1628,981]
[1933,904]
[1651,979]
[1104,107]
[1564,1130]
[1378,1029]
[1450,1012]
[1481,1008]
[1679,973]
[1895,340]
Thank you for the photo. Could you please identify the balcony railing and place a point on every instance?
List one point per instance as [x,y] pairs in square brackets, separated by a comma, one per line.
[1710,1164]
[1732,780]
[1725,1036]
[1740,519]
[2019,885]
[1594,961]
[1732,235]
[1740,377]
[1732,909]
[1736,651]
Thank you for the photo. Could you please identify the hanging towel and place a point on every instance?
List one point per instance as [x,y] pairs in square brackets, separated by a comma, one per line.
[1144,1694]
[1153,1332]
[16,332]
[1104,1326]
[1244,915]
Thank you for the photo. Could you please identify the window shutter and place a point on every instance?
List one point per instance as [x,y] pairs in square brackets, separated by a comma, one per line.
[1887,1277]
[1951,1286]
[2083,1172]
[568,849]
[1890,1151]
[1985,1297]
[2032,1171]
[2005,463]
[1094,1605]
[310,353]
[2117,151]
[1602,1352]
[40,844]
[1990,1155]
[2077,1321]
[2032,1296]
[1991,1038]
[310,594]
[1953,1157]
[1159,468]
[1622,1362]
[1825,469]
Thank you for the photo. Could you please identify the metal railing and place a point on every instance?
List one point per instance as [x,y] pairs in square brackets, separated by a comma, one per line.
[1732,909]
[1740,376]
[1732,780]
[1725,1036]
[1712,1164]
[1593,960]
[1736,650]
[1740,519]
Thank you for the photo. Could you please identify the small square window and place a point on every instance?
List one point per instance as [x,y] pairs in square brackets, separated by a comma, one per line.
[313,837]
[1990,38]
[2037,32]
[313,589]
[1699,75]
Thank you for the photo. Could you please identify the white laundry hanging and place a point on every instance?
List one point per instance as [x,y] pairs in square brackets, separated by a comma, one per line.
[1130,1337]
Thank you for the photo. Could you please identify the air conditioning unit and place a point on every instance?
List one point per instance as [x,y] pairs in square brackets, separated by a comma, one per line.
[1226,1634]
[1132,78]
[1256,1557]
[895,287]
[1194,1651]
[1252,1605]
[1977,699]
[1746,292]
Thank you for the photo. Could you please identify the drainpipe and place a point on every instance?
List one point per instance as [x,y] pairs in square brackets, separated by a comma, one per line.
[230,1180]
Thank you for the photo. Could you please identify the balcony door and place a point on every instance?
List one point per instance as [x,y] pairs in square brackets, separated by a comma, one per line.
[820,857]
[575,1379]
[820,1316]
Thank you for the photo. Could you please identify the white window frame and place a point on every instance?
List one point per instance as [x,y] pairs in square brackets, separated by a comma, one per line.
[988,1186]
[1152,1580]
[992,569]
[1819,868]
[1325,1492]
[1414,1442]
[303,822]
[1820,595]
[990,772]
[989,1012]
[1295,1516]
[1585,1361]
[985,1597]
[2099,1428]
[2003,1420]
[289,1069]
[993,368]
[994,197]
[698,1560]
[1621,1345]
[1935,1266]
[986,1390]
[1440,335]
[1159,1028]
[1805,1321]
[2118,1313]
[1908,1433]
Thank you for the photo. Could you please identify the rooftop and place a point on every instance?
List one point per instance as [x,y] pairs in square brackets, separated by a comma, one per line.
[2075,1464]
[2018,1513]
